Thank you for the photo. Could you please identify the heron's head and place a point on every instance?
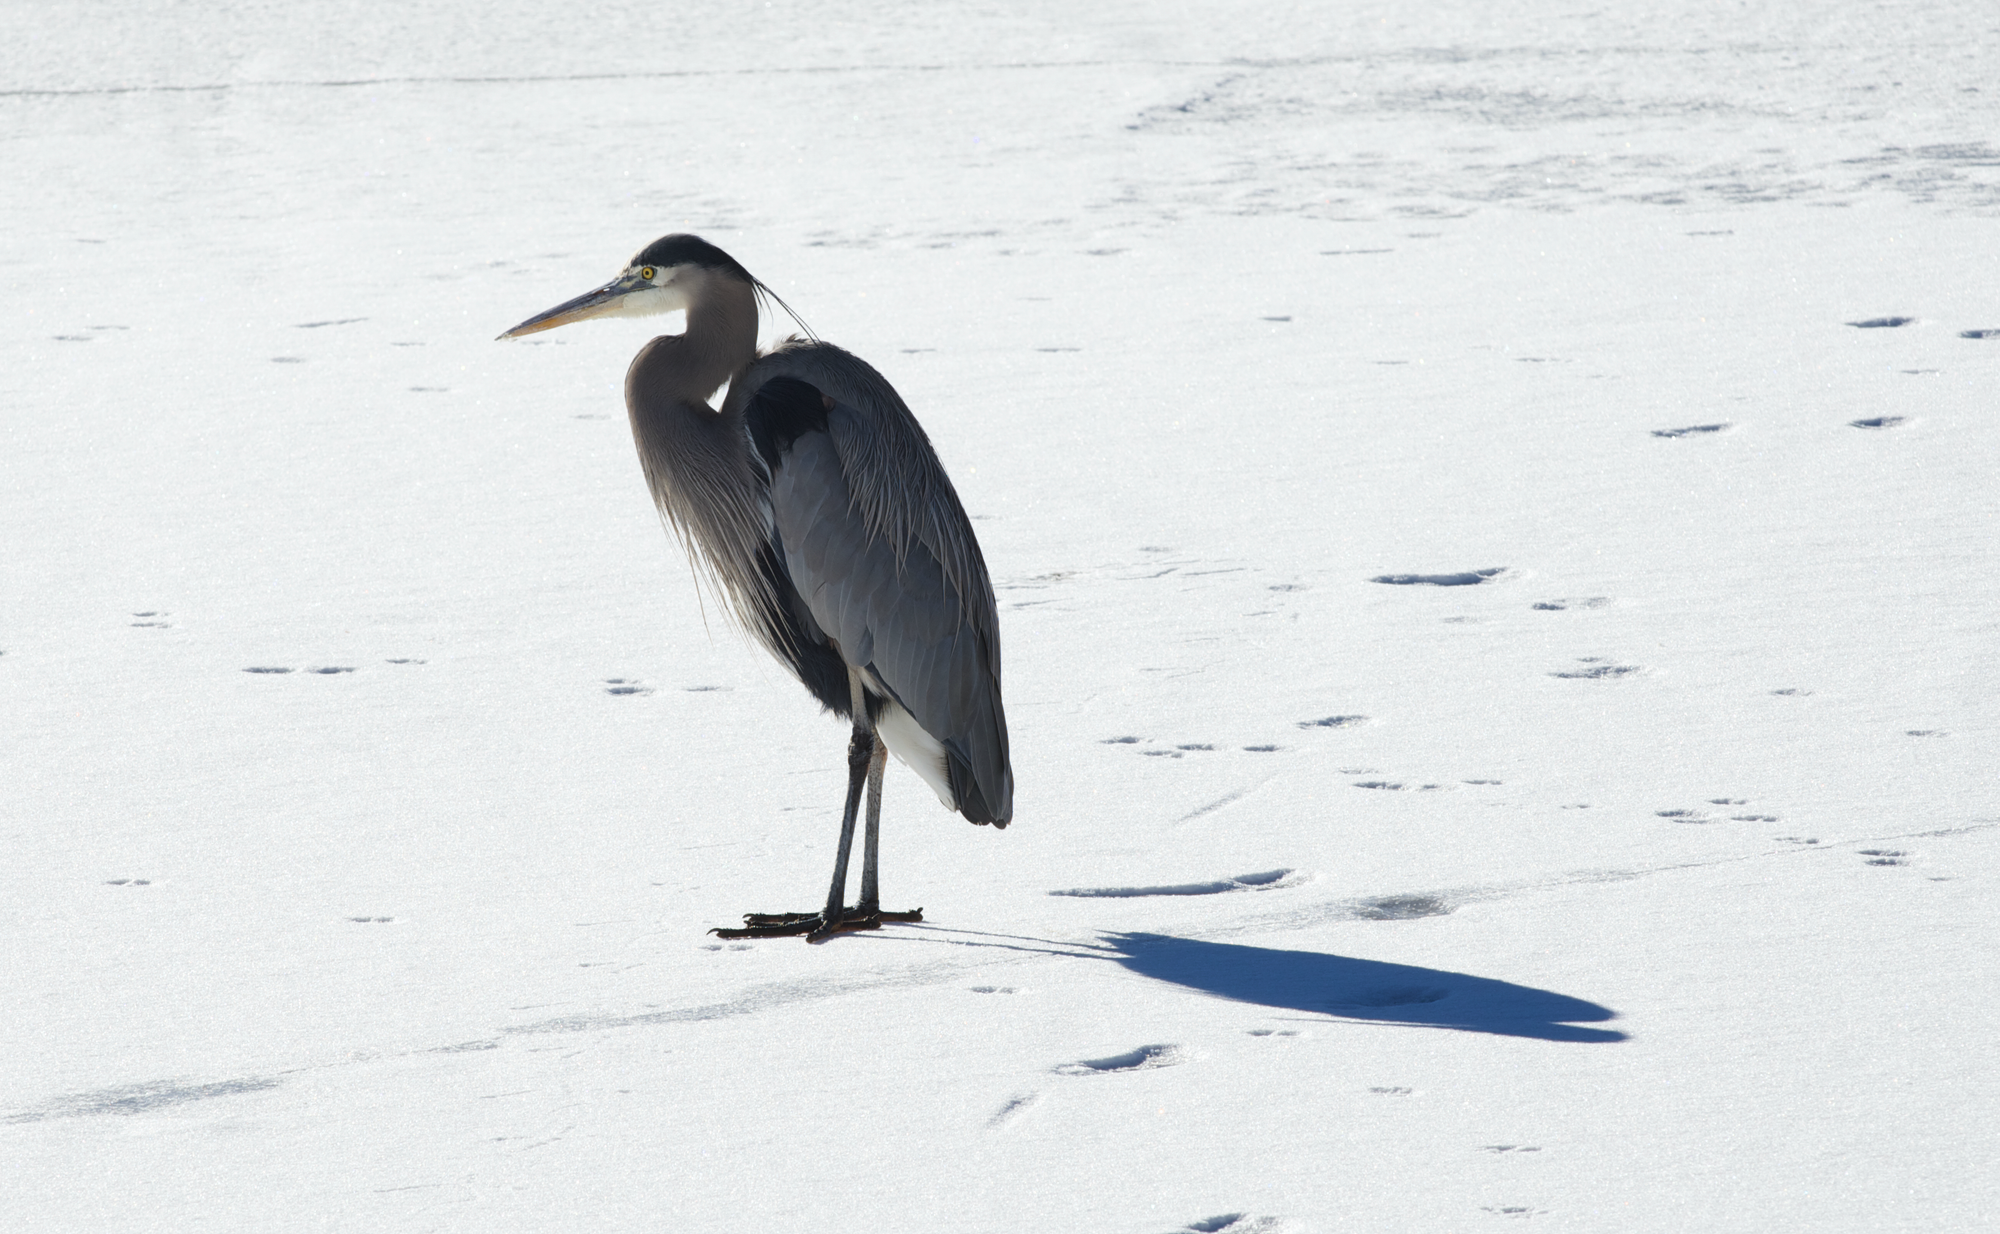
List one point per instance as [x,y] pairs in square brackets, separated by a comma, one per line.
[673,272]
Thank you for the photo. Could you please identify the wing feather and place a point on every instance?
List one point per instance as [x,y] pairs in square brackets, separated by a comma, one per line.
[883,557]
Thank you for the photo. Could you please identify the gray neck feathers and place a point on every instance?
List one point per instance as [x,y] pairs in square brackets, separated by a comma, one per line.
[696,459]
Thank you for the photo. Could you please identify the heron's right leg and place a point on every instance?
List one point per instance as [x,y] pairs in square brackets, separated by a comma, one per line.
[861,761]
[870,906]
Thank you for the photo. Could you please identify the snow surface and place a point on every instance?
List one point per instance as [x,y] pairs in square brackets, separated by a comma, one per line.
[1645,884]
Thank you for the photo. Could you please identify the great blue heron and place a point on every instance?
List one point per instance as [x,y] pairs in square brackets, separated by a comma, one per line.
[814,504]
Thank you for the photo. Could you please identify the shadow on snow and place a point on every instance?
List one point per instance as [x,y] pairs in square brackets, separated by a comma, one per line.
[1362,989]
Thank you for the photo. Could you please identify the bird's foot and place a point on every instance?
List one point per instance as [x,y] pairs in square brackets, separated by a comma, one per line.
[813,925]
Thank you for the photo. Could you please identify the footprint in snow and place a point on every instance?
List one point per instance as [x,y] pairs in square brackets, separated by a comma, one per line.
[1563,605]
[1399,908]
[1145,1058]
[1234,1223]
[1334,722]
[154,619]
[1683,816]
[1885,856]
[1264,881]
[1879,422]
[1691,430]
[1881,323]
[625,685]
[1597,669]
[1468,578]
[1012,1110]
[1979,334]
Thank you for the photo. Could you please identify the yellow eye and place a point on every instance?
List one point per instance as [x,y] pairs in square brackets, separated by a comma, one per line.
[646,272]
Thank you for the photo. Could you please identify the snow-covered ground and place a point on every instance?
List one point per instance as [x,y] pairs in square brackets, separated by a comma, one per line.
[1648,883]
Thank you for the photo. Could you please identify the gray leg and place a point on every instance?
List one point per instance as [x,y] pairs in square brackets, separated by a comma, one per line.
[865,758]
[860,757]
[871,899]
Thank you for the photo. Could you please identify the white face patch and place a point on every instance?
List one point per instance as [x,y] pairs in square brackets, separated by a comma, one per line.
[666,293]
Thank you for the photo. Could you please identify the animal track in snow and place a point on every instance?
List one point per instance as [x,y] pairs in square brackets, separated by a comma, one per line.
[1011,1109]
[154,619]
[331,669]
[372,920]
[314,325]
[1792,692]
[1881,323]
[1979,334]
[1264,881]
[1509,1148]
[1234,1223]
[1683,816]
[1512,1210]
[623,685]
[1392,1091]
[1119,741]
[1400,908]
[128,882]
[1397,787]
[1274,1032]
[994,989]
[1689,430]
[1334,722]
[1925,732]
[1557,606]
[1879,422]
[1598,670]
[406,660]
[1468,578]
[1885,856]
[266,669]
[1145,1058]
[1263,749]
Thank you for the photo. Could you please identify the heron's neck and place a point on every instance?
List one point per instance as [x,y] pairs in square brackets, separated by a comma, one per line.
[721,339]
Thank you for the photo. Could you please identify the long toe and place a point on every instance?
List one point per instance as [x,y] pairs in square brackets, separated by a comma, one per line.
[771,925]
[774,919]
[850,920]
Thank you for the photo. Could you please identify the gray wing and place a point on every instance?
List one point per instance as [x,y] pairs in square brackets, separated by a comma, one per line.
[875,541]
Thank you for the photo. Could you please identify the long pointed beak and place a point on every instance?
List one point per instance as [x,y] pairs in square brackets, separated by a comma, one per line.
[590,304]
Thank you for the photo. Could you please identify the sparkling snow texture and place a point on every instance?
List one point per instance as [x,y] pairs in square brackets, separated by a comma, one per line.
[1494,513]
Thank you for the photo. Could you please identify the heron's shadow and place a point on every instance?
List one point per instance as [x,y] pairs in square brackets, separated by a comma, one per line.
[1335,985]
